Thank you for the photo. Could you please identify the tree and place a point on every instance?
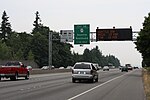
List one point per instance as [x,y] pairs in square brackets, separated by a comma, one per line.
[143,42]
[30,56]
[61,54]
[95,56]
[112,60]
[40,49]
[37,23]
[4,51]
[5,28]
[87,55]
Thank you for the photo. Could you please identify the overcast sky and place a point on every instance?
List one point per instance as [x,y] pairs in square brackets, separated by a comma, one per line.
[63,14]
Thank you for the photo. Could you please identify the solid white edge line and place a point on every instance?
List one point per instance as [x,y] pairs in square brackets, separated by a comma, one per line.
[97,86]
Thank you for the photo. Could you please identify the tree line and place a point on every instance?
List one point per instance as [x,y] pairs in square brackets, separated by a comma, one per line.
[34,47]
[143,42]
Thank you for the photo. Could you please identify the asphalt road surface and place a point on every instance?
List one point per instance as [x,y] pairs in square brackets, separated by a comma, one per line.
[112,85]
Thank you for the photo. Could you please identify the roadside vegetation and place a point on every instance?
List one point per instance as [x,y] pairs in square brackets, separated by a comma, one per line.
[146,80]
[143,46]
[34,46]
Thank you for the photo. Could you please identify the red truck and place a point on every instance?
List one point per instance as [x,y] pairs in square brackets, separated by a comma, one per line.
[13,70]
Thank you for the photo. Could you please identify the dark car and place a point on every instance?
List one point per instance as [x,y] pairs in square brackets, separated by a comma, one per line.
[124,68]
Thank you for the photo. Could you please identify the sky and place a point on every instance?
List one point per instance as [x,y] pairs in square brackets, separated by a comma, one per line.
[63,14]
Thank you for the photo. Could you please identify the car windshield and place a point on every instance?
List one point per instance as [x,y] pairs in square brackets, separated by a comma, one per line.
[82,66]
[12,64]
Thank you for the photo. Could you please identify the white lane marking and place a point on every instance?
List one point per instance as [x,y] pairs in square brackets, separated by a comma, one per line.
[97,86]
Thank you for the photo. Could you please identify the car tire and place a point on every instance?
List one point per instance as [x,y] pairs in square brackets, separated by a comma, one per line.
[92,80]
[96,80]
[27,76]
[0,78]
[73,80]
[14,78]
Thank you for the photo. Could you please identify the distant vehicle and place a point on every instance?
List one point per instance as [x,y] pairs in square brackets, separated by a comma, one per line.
[129,66]
[105,68]
[29,68]
[97,66]
[136,67]
[124,68]
[13,70]
[113,67]
[69,67]
[45,68]
[61,68]
[120,67]
[84,71]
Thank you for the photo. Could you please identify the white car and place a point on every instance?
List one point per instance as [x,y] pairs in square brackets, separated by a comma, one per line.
[105,68]
[84,71]
[69,67]
[45,68]
[61,68]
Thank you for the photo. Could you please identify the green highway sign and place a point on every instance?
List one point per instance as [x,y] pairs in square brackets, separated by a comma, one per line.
[82,34]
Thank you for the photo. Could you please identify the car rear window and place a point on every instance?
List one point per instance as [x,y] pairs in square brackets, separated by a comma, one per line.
[12,64]
[82,66]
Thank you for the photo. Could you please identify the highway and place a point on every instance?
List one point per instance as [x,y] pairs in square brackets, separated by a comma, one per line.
[112,85]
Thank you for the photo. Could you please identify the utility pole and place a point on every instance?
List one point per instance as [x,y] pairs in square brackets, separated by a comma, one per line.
[50,50]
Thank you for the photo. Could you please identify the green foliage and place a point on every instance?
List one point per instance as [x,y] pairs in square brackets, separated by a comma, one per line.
[61,54]
[4,51]
[143,42]
[112,60]
[40,49]
[5,28]
[30,56]
[95,56]
[19,42]
[37,23]
[87,55]
[77,58]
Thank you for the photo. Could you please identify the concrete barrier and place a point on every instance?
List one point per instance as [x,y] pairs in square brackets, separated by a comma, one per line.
[39,71]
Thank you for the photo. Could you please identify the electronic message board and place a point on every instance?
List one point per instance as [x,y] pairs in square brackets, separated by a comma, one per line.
[120,34]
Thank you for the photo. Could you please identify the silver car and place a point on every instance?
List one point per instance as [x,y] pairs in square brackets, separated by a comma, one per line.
[84,71]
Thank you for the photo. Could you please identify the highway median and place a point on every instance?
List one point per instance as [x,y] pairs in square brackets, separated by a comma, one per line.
[39,71]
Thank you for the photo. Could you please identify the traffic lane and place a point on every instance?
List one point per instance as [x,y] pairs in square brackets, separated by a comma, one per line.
[127,87]
[8,86]
[6,83]
[20,89]
[57,87]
